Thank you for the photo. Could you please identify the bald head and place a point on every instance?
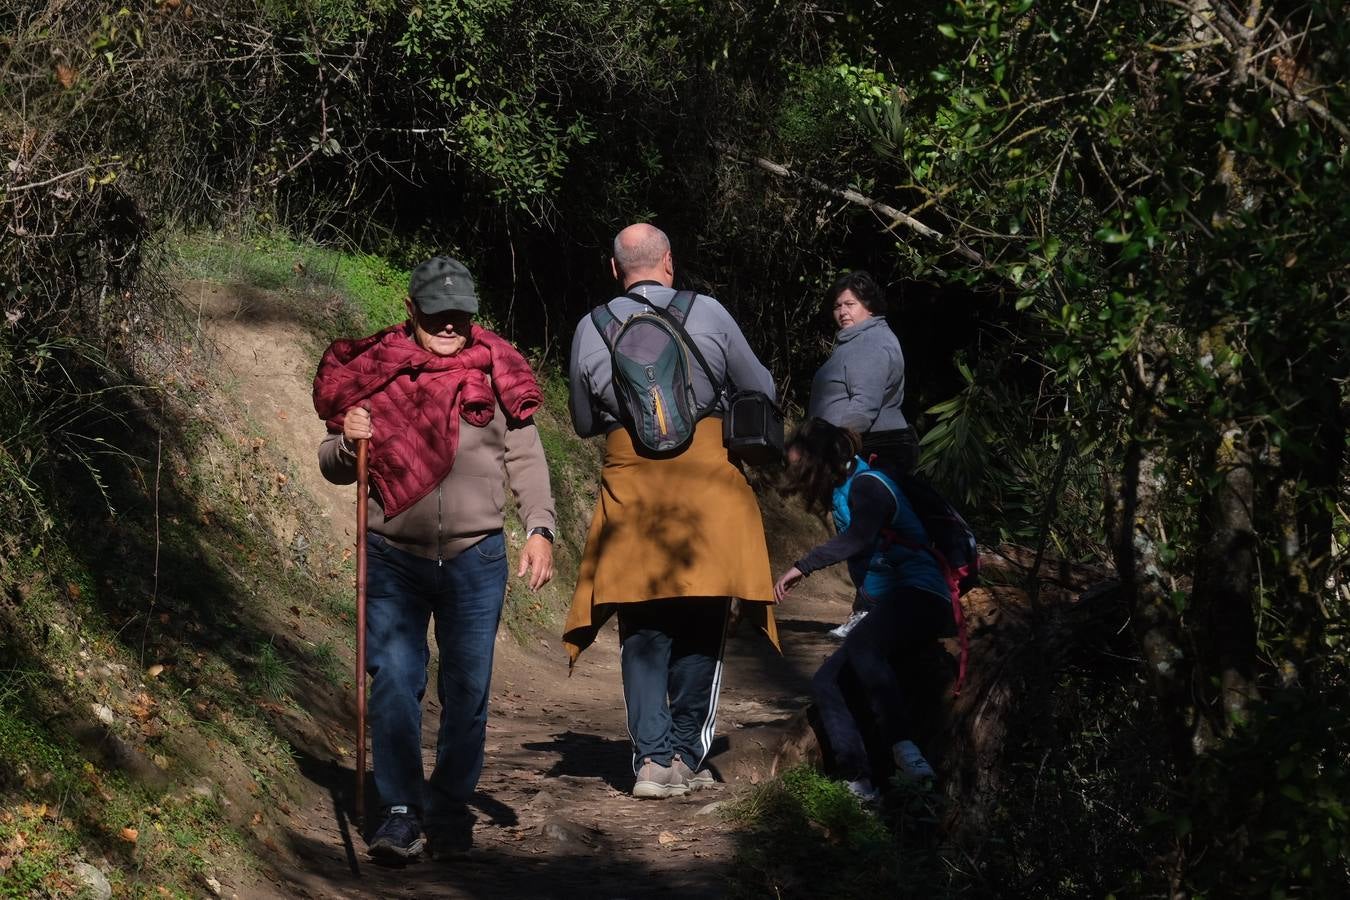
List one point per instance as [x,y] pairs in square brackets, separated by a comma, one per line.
[642,253]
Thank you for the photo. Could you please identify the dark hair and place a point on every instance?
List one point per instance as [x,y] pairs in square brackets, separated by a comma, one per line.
[819,458]
[863,286]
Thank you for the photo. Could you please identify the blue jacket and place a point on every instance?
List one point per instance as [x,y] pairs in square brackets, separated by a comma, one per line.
[890,565]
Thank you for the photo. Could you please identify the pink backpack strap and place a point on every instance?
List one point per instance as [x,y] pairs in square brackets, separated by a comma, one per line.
[962,633]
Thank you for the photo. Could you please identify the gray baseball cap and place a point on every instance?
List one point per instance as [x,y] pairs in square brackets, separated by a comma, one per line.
[441,284]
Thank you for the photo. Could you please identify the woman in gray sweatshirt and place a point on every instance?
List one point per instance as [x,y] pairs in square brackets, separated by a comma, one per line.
[862,384]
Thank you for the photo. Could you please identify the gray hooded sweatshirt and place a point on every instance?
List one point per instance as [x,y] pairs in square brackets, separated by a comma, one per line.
[862,384]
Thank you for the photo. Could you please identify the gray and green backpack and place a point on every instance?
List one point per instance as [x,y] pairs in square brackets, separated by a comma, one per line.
[651,355]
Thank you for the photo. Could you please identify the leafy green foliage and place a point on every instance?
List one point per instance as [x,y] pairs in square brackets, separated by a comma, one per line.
[1162,212]
[1278,790]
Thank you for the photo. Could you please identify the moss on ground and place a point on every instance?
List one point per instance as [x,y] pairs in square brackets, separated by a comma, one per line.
[806,835]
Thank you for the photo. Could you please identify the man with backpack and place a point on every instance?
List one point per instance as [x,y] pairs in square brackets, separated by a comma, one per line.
[677,531]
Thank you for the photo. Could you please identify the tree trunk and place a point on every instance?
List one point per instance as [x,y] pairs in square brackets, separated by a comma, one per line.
[1222,595]
[1134,526]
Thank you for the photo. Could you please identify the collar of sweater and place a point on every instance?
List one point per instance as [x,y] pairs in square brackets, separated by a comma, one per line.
[847,334]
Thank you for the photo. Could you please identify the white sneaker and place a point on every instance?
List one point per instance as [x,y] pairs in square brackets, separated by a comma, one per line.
[864,791]
[909,760]
[842,631]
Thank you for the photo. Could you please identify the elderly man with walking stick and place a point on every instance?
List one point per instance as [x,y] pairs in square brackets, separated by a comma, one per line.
[445,408]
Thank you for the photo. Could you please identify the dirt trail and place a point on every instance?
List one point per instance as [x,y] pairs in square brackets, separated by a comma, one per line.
[553,815]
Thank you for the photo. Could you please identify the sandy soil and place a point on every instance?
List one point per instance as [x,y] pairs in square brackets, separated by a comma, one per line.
[554,818]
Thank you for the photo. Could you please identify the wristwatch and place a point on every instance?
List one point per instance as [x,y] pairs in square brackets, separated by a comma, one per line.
[546,533]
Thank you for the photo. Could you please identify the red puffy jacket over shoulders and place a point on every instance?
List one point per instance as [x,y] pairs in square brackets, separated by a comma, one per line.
[416,400]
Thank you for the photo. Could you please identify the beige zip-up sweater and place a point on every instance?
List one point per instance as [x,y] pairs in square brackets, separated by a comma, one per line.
[469,503]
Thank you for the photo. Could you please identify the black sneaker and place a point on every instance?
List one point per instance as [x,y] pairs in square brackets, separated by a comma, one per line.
[447,843]
[449,837]
[399,838]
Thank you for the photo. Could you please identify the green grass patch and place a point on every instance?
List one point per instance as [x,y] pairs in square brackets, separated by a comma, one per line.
[28,752]
[327,660]
[273,673]
[278,262]
[805,835]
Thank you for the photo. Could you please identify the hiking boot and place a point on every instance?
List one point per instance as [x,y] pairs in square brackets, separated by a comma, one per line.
[656,782]
[910,763]
[398,838]
[697,781]
[866,793]
[842,631]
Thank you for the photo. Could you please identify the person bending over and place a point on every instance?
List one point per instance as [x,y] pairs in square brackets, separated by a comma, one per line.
[883,542]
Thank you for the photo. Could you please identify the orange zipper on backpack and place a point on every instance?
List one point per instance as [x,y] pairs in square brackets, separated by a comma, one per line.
[659,408]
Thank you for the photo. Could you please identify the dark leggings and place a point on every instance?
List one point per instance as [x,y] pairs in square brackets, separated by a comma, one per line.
[902,622]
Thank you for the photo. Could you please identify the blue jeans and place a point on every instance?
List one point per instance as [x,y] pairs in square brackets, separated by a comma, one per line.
[403,593]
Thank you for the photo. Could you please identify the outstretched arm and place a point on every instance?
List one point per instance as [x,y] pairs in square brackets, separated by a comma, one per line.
[871,507]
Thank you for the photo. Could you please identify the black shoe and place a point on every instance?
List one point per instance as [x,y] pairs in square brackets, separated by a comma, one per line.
[399,838]
[445,843]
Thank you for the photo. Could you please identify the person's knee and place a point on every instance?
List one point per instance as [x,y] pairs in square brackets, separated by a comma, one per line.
[398,670]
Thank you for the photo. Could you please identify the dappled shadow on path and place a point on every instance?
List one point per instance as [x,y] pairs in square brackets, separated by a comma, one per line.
[589,756]
[553,858]
[804,626]
[523,871]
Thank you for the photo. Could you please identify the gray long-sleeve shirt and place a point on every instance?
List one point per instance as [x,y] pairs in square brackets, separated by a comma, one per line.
[862,384]
[593,405]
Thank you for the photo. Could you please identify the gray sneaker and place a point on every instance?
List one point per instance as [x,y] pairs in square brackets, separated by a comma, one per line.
[910,762]
[656,782]
[866,793]
[697,781]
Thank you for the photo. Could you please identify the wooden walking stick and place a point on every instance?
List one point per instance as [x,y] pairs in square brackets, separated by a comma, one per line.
[361,491]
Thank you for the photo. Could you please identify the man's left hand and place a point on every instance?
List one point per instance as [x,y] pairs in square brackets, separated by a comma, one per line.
[537,559]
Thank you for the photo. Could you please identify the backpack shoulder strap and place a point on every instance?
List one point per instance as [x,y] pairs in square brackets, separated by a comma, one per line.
[677,313]
[889,485]
[680,304]
[605,321]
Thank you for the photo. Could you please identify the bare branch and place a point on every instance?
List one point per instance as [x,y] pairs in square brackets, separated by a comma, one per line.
[1305,101]
[897,217]
[55,178]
